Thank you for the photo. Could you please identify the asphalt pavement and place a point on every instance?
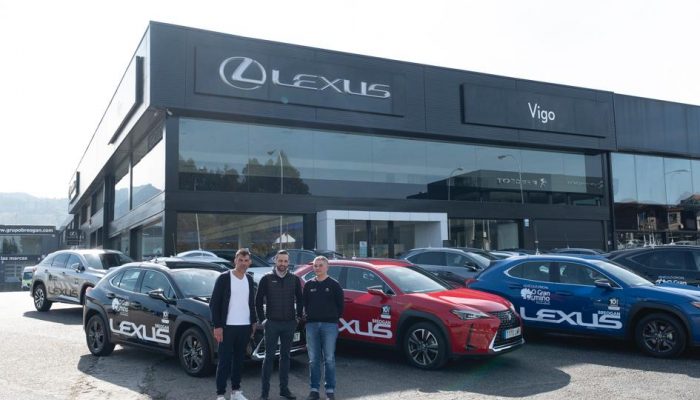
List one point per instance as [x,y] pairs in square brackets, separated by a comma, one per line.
[44,356]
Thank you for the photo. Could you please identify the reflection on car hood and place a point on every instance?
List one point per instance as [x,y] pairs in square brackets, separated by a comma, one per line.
[691,292]
[481,301]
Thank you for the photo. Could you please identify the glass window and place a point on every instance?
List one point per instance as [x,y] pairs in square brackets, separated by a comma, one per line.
[679,180]
[121,190]
[149,241]
[577,274]
[429,258]
[60,260]
[649,175]
[148,173]
[195,283]
[534,271]
[227,156]
[115,280]
[73,260]
[129,280]
[456,259]
[106,260]
[360,279]
[410,280]
[484,234]
[672,259]
[259,232]
[696,258]
[623,178]
[153,280]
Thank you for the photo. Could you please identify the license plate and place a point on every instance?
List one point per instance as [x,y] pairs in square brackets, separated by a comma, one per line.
[297,336]
[513,332]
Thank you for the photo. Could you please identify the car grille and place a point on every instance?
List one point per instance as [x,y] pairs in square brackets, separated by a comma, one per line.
[508,320]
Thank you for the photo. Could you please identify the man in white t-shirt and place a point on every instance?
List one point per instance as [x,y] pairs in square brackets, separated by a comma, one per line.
[232,308]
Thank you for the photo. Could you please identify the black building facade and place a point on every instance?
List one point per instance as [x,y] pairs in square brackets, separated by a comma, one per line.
[217,141]
[23,246]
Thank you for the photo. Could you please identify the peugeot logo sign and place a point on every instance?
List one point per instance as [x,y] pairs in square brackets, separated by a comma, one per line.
[242,73]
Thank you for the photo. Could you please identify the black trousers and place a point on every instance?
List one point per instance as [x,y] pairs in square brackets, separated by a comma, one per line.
[284,332]
[231,357]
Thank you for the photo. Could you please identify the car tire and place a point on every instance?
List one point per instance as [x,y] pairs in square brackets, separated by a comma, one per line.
[424,346]
[41,303]
[194,354]
[97,338]
[660,335]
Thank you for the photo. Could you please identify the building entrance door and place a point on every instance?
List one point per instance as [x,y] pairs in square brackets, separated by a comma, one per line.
[379,234]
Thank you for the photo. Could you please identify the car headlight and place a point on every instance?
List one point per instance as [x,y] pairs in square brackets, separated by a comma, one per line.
[696,304]
[467,315]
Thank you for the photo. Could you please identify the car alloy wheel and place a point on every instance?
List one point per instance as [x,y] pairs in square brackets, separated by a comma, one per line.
[194,353]
[660,335]
[96,337]
[41,303]
[424,346]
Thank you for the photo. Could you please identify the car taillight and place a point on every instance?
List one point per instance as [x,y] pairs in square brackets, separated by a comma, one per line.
[469,281]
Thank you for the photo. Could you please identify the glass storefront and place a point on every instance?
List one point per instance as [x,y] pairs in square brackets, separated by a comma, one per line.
[657,200]
[149,241]
[484,234]
[121,190]
[262,234]
[148,173]
[227,156]
[363,238]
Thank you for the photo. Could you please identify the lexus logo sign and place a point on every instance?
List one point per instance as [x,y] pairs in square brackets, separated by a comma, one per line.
[245,73]
[242,73]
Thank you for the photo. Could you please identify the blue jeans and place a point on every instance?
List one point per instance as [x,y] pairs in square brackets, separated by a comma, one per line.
[320,343]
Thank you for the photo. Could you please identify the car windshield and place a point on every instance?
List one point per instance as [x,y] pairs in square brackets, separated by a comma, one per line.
[195,282]
[106,260]
[27,275]
[481,261]
[413,280]
[627,276]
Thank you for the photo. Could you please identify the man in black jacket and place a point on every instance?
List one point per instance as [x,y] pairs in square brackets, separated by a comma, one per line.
[323,304]
[232,308]
[279,290]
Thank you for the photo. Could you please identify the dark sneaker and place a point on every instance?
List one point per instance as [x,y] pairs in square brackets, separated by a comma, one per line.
[330,396]
[313,396]
[288,395]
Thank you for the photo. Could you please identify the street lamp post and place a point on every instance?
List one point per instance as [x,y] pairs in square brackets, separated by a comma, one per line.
[279,154]
[449,180]
[520,173]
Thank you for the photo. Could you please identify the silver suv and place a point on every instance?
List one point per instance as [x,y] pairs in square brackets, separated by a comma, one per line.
[64,275]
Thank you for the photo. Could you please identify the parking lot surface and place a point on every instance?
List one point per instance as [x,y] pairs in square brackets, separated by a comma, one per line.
[44,356]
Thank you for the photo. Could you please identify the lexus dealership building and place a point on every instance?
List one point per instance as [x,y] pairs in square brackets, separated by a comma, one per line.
[216,141]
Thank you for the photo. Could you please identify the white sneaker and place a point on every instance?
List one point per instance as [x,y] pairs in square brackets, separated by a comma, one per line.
[237,395]
[220,397]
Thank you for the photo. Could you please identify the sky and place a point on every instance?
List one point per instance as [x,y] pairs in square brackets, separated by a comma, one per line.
[61,61]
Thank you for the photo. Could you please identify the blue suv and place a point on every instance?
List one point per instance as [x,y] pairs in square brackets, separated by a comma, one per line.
[596,297]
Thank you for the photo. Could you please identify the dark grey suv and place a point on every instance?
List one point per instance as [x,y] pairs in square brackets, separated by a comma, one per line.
[452,265]
[63,276]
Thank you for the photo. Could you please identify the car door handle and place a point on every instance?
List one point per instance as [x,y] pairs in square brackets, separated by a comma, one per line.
[136,305]
[564,293]
[110,295]
[515,286]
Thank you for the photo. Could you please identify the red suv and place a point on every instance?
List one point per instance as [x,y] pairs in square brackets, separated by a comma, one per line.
[397,304]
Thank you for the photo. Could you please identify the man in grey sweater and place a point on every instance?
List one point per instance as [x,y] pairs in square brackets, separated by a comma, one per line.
[280,291]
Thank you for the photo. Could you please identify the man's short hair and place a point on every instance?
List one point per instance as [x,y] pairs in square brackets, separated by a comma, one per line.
[281,252]
[323,259]
[243,252]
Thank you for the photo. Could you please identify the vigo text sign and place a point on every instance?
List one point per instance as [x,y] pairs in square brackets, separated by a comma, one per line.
[251,75]
[590,115]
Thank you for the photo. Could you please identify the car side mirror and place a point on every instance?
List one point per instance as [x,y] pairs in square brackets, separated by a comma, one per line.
[77,267]
[471,266]
[603,283]
[377,291]
[158,294]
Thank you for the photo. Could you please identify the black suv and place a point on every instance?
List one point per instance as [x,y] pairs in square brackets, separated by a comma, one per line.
[165,309]
[660,264]
[452,265]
